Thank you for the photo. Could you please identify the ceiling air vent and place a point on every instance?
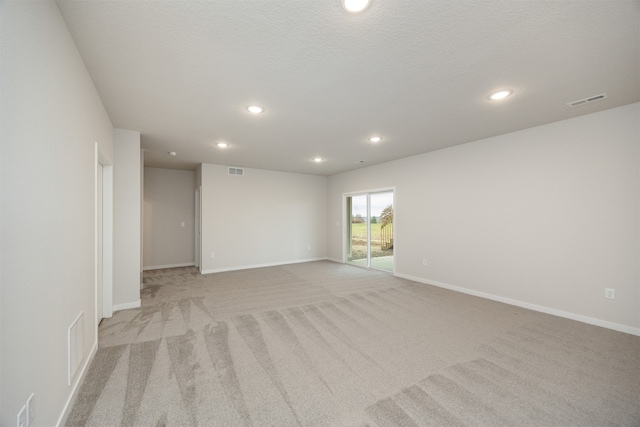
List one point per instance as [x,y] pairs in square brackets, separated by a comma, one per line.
[236,171]
[587,100]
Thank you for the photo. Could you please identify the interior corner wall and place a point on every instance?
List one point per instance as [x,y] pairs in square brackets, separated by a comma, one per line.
[198,176]
[545,218]
[51,119]
[127,219]
[262,218]
[169,218]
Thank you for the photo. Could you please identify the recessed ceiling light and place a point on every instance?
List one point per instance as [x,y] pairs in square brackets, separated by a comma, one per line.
[222,144]
[173,153]
[355,6]
[255,109]
[500,95]
[375,139]
[317,159]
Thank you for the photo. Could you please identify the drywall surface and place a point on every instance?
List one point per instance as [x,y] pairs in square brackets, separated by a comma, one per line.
[169,214]
[51,119]
[261,218]
[547,216]
[198,176]
[127,219]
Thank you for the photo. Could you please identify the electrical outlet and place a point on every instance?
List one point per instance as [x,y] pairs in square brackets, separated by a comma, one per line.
[609,293]
[309,247]
[213,254]
[22,417]
[424,261]
[31,409]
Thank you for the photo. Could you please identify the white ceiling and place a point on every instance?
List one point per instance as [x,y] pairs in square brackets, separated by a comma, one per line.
[416,72]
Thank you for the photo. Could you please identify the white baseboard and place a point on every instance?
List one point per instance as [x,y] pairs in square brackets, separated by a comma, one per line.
[339,261]
[158,267]
[542,309]
[127,305]
[74,390]
[247,267]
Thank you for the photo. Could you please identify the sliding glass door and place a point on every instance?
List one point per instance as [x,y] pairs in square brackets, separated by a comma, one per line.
[369,239]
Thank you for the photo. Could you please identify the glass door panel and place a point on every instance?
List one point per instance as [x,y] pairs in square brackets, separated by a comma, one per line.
[357,218]
[381,222]
[370,230]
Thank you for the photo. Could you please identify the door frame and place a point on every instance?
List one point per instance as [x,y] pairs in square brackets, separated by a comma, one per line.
[198,229]
[107,235]
[345,228]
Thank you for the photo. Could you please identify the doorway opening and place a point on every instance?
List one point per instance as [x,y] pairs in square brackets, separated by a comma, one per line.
[370,229]
[103,237]
[198,228]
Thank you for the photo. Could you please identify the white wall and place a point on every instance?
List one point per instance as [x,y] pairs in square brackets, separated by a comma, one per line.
[51,118]
[127,219]
[198,176]
[261,218]
[169,202]
[546,217]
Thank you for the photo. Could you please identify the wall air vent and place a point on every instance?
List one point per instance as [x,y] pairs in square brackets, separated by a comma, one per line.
[587,100]
[236,171]
[75,346]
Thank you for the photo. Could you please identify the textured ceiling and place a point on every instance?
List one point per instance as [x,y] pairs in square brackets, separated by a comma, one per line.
[416,72]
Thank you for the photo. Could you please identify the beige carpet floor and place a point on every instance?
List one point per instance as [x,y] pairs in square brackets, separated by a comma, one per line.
[326,344]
